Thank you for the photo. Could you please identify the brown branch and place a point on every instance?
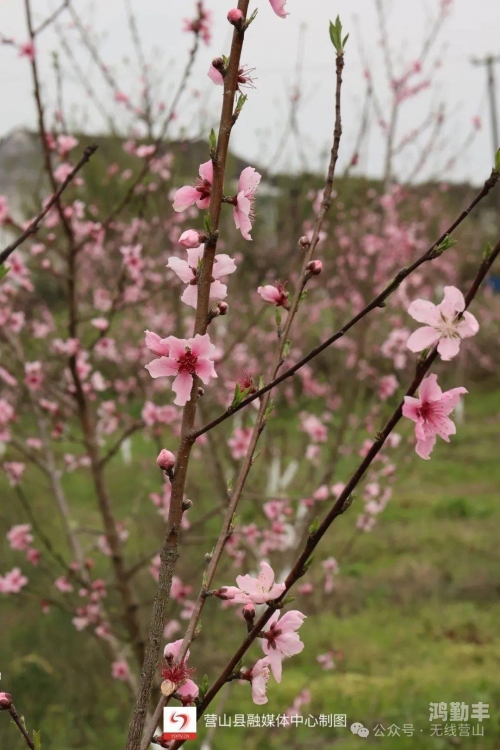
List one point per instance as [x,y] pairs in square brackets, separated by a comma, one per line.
[376,302]
[34,226]
[170,554]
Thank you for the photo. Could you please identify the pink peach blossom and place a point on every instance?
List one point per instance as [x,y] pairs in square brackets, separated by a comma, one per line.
[279,8]
[186,358]
[243,211]
[215,75]
[165,460]
[190,238]
[120,670]
[430,413]
[446,324]
[27,50]
[281,639]
[20,537]
[187,271]
[172,650]
[275,295]
[256,590]
[259,677]
[14,471]
[12,582]
[201,25]
[63,585]
[188,692]
[199,194]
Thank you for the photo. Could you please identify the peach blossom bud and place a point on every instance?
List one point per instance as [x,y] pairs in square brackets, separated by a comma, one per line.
[223,308]
[315,267]
[218,63]
[249,612]
[165,460]
[190,238]
[5,701]
[304,242]
[235,16]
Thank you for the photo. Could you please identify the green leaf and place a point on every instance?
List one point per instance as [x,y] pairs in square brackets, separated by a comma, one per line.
[487,251]
[278,317]
[497,161]
[207,223]
[252,18]
[286,348]
[288,600]
[212,140]
[336,36]
[269,410]
[307,565]
[4,270]
[239,104]
[37,740]
[445,245]
[314,526]
[239,395]
[203,687]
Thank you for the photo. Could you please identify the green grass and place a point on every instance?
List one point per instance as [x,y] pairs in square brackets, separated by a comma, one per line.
[414,612]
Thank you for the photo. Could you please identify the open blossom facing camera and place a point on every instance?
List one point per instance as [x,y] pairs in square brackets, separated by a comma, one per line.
[199,193]
[430,411]
[243,211]
[445,324]
[182,358]
[279,8]
[281,639]
[187,271]
[256,590]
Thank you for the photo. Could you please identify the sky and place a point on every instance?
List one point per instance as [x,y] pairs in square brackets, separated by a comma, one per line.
[272,47]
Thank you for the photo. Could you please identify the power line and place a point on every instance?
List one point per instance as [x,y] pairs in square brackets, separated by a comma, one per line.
[489,62]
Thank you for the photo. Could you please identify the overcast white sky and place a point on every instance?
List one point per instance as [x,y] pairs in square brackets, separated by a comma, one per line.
[271,47]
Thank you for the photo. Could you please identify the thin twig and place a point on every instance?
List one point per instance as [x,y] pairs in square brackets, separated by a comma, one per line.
[36,223]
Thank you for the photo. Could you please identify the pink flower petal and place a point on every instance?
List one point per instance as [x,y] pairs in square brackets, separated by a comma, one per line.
[182,268]
[429,389]
[424,447]
[201,346]
[207,171]
[195,254]
[468,326]
[452,303]
[182,386]
[162,367]
[215,76]
[223,266]
[177,346]
[185,197]
[422,339]
[249,179]
[190,295]
[156,344]
[205,370]
[424,311]
[279,8]
[218,290]
[448,348]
